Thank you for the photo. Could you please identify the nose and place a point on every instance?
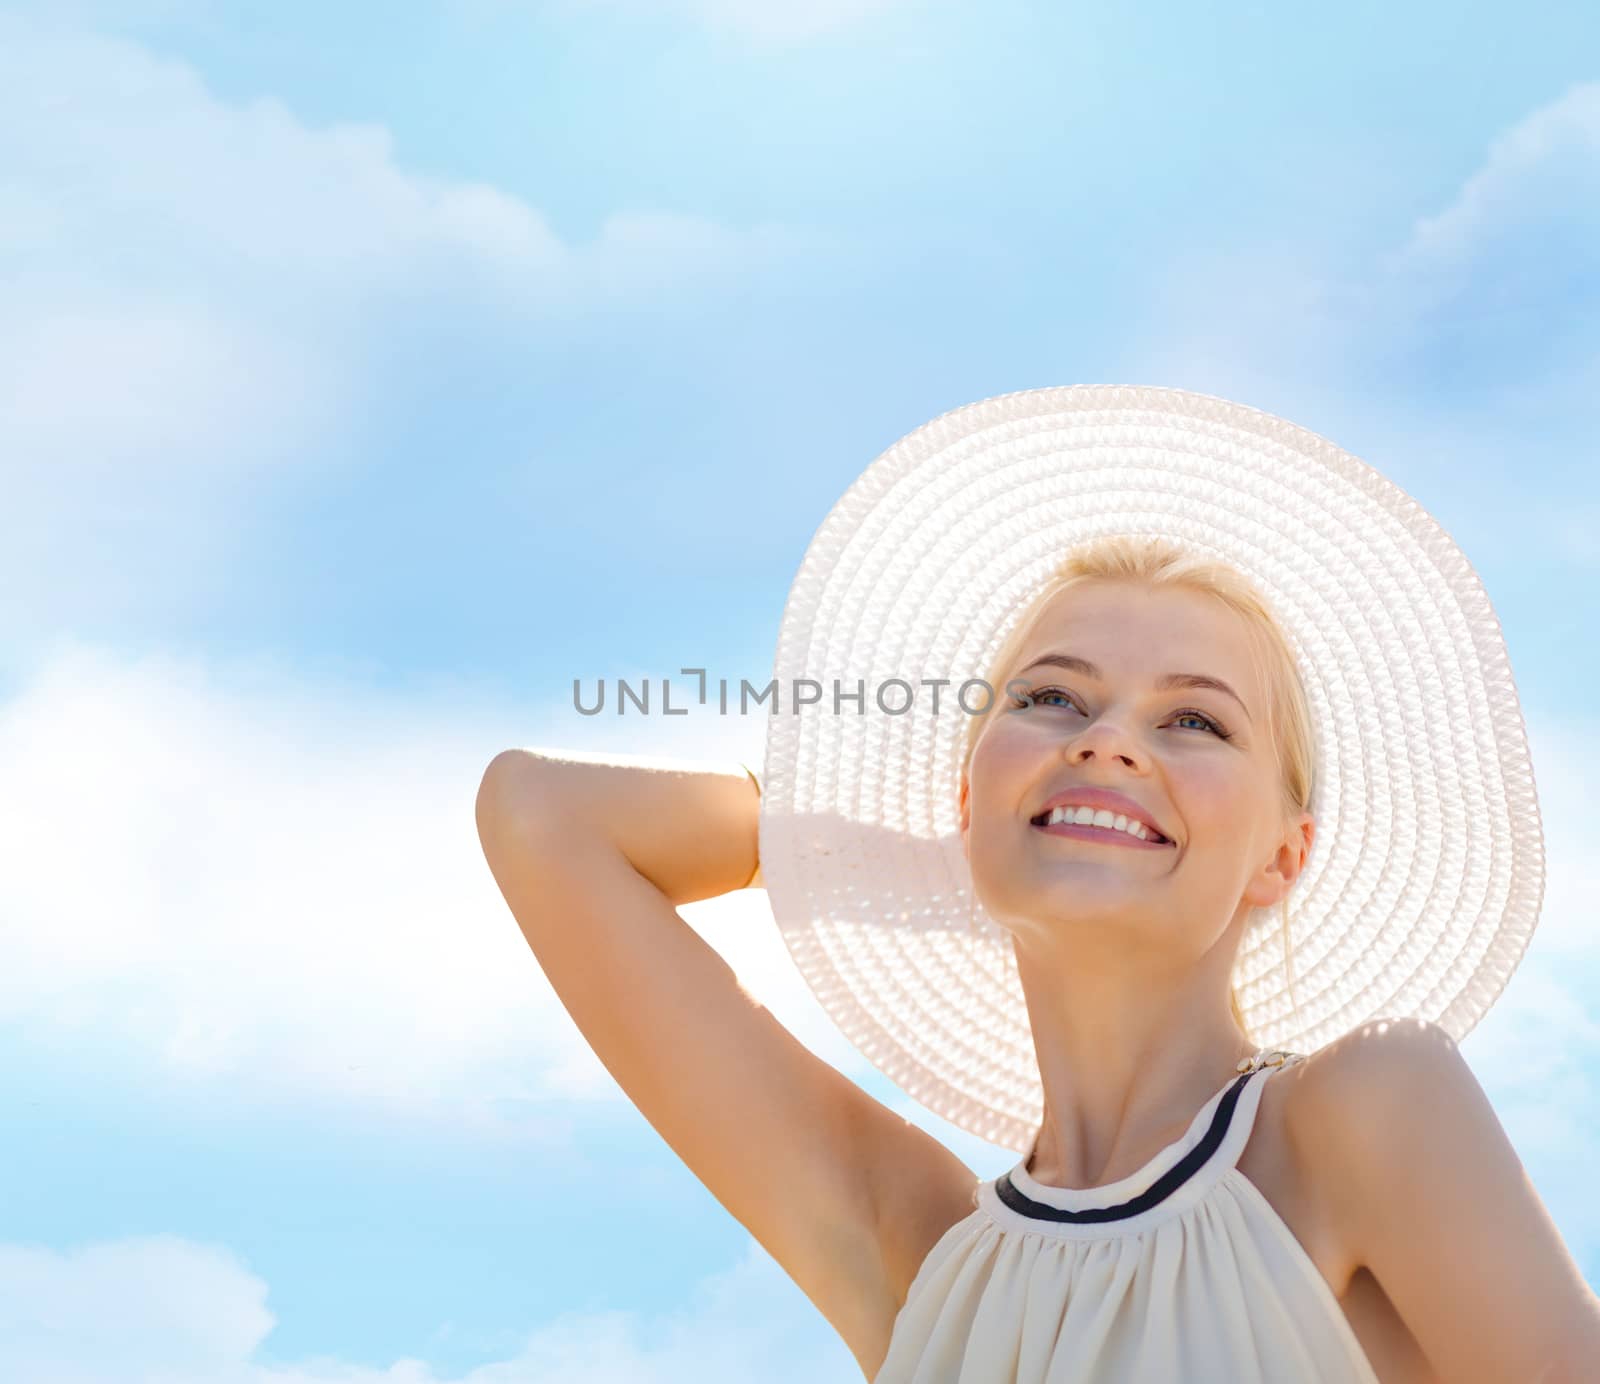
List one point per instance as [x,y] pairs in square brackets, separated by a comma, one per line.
[1107,740]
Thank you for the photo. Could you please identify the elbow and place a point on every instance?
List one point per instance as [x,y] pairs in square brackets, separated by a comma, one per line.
[505,792]
[519,828]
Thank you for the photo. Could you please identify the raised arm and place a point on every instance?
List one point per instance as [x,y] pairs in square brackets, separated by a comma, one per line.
[592,857]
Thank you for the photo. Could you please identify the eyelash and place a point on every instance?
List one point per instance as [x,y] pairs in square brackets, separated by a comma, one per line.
[1217,728]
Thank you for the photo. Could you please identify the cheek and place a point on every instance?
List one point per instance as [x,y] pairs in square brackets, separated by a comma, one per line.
[1206,786]
[1003,771]
[1214,801]
[1004,750]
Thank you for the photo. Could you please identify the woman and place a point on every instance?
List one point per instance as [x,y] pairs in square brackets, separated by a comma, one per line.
[1191,1205]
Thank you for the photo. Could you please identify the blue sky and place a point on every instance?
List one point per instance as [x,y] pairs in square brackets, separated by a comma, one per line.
[371,372]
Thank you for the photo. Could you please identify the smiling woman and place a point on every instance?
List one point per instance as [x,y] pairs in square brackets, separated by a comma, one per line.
[1250,1150]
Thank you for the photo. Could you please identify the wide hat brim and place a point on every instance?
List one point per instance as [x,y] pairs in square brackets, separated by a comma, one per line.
[1426,875]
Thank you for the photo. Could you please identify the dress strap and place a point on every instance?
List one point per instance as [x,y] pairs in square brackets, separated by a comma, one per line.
[1265,1062]
[1215,1139]
[1269,1057]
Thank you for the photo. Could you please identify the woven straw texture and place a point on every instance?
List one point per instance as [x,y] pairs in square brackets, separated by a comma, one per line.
[1427,872]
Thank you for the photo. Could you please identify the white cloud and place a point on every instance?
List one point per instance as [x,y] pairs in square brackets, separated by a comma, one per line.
[1536,178]
[1507,277]
[167,184]
[1493,296]
[164,1310]
[129,1310]
[223,874]
[199,297]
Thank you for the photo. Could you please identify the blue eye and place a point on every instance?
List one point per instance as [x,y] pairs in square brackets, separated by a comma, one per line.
[1201,716]
[1042,697]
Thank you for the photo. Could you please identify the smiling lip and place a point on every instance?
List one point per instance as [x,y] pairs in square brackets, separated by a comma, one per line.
[1106,836]
[1088,795]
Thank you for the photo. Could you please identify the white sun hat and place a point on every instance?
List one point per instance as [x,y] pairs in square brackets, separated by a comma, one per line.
[1426,875]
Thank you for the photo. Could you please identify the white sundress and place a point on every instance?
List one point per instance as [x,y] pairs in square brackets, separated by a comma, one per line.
[1179,1273]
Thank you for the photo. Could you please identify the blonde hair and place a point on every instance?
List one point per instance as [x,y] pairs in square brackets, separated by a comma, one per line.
[1161,563]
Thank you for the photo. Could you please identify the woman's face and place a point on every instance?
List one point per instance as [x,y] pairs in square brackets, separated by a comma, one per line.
[1216,798]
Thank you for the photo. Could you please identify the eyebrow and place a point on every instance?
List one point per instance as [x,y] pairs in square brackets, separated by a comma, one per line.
[1073,664]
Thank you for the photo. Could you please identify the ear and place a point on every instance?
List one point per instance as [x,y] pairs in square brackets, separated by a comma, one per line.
[966,813]
[1278,875]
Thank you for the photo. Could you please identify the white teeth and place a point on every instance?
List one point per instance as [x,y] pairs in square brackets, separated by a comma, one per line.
[1088,816]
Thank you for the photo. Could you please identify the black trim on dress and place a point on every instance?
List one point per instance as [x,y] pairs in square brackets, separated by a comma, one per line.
[1158,1191]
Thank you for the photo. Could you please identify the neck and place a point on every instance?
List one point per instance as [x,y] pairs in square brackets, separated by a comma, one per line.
[1126,1059]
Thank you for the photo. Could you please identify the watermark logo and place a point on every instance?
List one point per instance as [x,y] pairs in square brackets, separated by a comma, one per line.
[891,696]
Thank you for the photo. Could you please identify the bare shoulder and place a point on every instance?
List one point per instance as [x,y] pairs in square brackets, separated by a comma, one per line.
[1354,1076]
[1384,1057]
[1430,1199]
[1339,1099]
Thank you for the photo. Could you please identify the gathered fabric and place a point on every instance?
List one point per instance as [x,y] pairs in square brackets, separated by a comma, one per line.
[1180,1272]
